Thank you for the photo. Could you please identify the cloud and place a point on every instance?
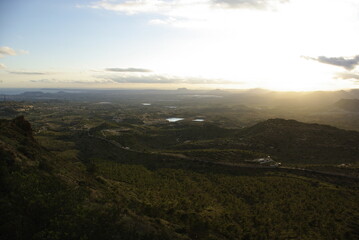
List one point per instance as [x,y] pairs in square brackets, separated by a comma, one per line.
[166,6]
[349,63]
[136,6]
[127,70]
[70,81]
[162,79]
[184,13]
[28,73]
[44,81]
[8,51]
[185,9]
[257,4]
[348,75]
[141,79]
[2,66]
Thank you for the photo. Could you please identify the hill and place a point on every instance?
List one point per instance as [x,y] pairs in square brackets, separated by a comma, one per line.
[44,196]
[295,142]
[351,105]
[18,144]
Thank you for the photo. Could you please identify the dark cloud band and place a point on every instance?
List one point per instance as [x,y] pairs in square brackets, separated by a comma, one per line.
[28,73]
[347,63]
[127,70]
[70,82]
[160,79]
[352,76]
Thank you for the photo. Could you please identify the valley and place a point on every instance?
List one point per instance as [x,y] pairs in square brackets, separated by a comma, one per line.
[110,167]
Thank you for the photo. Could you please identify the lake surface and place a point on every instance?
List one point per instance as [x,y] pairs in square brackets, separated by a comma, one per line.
[174,119]
[146,104]
[103,103]
[198,120]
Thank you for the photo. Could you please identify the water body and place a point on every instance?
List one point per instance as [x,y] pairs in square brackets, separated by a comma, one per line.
[174,119]
[103,103]
[146,104]
[198,120]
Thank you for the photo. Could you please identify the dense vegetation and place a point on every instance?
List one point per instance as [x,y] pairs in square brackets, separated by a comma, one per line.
[293,141]
[105,191]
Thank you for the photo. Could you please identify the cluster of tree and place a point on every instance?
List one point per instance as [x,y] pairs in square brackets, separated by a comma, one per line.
[124,194]
[221,206]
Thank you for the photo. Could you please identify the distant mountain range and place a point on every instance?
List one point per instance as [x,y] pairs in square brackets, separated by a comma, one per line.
[250,97]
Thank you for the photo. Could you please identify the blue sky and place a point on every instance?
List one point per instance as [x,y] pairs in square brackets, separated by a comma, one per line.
[276,44]
[59,34]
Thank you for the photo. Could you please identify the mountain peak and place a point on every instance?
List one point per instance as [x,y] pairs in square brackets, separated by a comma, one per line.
[22,124]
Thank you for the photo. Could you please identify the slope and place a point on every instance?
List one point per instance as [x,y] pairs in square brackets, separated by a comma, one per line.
[294,142]
[45,197]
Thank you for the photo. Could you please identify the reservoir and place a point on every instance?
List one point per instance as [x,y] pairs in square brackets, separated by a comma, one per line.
[174,119]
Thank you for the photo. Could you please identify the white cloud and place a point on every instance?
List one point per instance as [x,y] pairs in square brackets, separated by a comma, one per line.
[171,7]
[8,51]
[162,79]
[257,4]
[183,13]
[147,6]
[259,42]
[2,66]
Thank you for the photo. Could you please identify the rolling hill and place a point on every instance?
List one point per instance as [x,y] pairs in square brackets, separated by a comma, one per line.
[294,142]
[44,196]
[351,105]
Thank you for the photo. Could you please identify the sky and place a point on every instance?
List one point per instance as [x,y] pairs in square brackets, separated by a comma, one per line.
[286,45]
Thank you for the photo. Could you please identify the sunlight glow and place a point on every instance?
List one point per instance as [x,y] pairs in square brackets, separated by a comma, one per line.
[243,44]
[266,49]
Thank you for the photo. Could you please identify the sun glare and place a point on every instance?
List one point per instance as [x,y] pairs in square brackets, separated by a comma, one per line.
[263,49]
[241,45]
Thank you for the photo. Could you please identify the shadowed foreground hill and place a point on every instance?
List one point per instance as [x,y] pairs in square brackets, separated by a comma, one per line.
[295,142]
[44,197]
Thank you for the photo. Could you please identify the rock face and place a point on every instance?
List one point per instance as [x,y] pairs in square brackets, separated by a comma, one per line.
[17,143]
[24,125]
[18,128]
